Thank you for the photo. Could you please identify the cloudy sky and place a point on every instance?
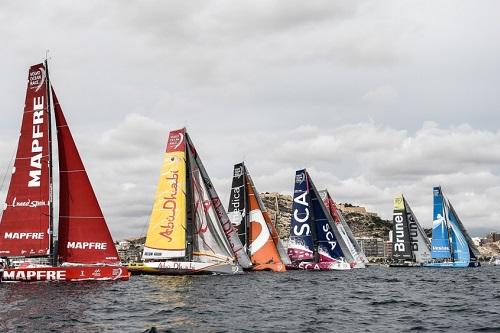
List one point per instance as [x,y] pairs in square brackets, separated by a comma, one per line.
[374,98]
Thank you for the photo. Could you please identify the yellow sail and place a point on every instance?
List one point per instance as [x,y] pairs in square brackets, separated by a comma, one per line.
[166,237]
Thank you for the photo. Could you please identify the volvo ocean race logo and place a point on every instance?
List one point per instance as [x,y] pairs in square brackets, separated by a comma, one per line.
[37,78]
[175,139]
[299,179]
[238,172]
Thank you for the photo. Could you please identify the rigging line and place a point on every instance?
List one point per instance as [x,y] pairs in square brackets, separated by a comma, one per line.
[7,169]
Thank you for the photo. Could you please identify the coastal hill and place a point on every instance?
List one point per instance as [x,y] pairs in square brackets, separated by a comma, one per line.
[361,222]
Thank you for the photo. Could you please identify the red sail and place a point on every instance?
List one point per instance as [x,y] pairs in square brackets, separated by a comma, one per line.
[83,234]
[24,228]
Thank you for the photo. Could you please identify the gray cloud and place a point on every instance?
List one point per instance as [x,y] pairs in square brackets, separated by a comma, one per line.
[374,97]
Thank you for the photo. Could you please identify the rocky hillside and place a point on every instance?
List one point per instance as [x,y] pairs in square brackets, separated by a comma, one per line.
[362,223]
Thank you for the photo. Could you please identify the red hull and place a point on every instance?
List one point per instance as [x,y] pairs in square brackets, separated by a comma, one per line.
[70,273]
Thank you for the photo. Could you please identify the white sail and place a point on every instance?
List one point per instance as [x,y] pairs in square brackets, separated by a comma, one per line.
[420,243]
[209,240]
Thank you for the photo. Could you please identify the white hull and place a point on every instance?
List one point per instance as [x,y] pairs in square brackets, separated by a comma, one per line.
[183,268]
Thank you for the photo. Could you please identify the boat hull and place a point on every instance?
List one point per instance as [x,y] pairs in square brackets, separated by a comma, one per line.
[68,274]
[268,267]
[456,264]
[404,264]
[319,266]
[182,268]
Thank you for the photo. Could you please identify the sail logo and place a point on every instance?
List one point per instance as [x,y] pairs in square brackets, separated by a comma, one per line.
[301,200]
[399,245]
[36,146]
[299,179]
[175,139]
[29,203]
[238,172]
[31,275]
[329,236]
[170,205]
[87,245]
[412,224]
[37,78]
[24,235]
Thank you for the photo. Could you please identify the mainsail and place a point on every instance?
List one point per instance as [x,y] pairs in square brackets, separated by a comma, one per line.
[440,234]
[84,237]
[401,246]
[255,229]
[25,223]
[166,237]
[301,241]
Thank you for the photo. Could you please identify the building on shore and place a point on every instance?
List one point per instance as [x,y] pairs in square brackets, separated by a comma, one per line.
[372,246]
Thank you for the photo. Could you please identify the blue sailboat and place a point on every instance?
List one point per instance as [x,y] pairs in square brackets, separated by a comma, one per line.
[451,244]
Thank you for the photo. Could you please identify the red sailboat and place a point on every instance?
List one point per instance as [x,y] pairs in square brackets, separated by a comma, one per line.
[85,249]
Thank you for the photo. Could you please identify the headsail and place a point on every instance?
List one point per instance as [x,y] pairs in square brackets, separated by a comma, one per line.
[84,237]
[272,230]
[166,237]
[231,234]
[440,234]
[24,227]
[342,227]
[209,240]
[420,244]
[331,246]
[474,252]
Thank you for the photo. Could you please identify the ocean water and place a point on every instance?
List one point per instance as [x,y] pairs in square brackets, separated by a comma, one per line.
[376,299]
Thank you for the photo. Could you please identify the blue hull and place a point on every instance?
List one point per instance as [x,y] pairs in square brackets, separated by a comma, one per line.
[456,264]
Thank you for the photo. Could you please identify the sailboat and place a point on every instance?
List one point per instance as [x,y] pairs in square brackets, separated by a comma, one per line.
[410,245]
[85,249]
[451,244]
[189,231]
[255,228]
[359,259]
[314,242]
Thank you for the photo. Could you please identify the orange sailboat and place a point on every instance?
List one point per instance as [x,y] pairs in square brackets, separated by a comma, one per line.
[255,228]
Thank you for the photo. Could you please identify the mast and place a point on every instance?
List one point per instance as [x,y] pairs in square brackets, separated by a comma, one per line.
[51,191]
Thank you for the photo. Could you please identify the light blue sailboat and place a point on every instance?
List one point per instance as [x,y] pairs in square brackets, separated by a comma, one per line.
[451,244]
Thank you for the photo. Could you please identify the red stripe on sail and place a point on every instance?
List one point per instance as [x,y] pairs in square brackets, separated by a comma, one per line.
[83,234]
[25,220]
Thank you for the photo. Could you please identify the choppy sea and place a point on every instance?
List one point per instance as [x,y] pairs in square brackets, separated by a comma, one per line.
[376,299]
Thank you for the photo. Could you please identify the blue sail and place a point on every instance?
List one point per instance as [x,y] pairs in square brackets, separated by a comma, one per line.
[440,238]
[460,246]
[300,243]
[328,245]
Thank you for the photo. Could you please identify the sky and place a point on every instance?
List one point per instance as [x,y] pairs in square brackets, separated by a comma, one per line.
[374,98]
